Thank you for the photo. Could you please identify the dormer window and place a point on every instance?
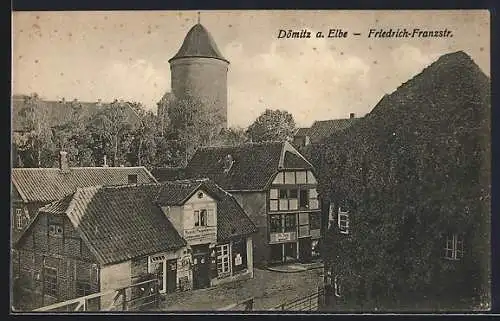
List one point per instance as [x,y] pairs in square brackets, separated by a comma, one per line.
[228,163]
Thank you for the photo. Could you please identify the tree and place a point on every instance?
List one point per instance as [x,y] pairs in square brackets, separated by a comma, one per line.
[38,150]
[231,137]
[111,133]
[272,125]
[194,123]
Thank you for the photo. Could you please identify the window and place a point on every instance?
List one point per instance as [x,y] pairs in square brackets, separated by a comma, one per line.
[288,199]
[343,221]
[83,288]
[336,285]
[19,218]
[290,223]
[275,223]
[223,266]
[303,199]
[454,247]
[50,281]
[132,179]
[301,177]
[289,177]
[313,199]
[55,230]
[201,218]
[273,199]
[239,255]
[315,221]
[304,224]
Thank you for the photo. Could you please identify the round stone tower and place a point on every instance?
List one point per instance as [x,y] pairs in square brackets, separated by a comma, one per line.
[199,71]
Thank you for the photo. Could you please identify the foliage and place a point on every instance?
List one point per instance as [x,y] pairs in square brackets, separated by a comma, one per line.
[194,123]
[277,125]
[411,172]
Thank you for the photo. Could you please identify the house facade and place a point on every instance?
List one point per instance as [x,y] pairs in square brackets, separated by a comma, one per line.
[187,235]
[276,187]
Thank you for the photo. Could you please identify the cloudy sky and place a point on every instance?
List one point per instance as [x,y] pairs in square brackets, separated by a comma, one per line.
[124,55]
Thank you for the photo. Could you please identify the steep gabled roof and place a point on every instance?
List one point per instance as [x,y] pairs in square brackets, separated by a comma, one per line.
[50,184]
[199,43]
[118,223]
[176,193]
[164,174]
[254,164]
[324,128]
[231,218]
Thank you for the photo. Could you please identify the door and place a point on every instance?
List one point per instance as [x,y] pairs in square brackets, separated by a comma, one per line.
[305,249]
[160,275]
[171,275]
[200,271]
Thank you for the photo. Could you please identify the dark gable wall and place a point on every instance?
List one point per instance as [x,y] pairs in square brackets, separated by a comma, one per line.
[72,259]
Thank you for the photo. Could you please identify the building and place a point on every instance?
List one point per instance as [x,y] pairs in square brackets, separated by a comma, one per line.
[187,234]
[321,129]
[276,186]
[33,188]
[198,71]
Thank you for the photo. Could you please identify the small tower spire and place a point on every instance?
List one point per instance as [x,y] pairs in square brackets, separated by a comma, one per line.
[198,17]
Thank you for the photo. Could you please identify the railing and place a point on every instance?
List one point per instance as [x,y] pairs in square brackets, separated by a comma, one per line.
[312,302]
[245,305]
[138,296]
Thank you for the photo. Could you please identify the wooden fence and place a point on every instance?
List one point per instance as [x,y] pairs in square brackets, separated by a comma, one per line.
[136,297]
[312,302]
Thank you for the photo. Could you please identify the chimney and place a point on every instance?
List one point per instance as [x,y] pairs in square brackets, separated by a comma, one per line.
[105,162]
[352,115]
[63,161]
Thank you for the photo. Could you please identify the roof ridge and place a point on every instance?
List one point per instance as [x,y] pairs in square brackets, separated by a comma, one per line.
[246,144]
[79,167]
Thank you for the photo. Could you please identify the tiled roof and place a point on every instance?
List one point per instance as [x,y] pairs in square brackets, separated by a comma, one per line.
[198,43]
[325,128]
[57,207]
[302,131]
[121,222]
[177,192]
[254,164]
[57,111]
[50,184]
[231,218]
[164,174]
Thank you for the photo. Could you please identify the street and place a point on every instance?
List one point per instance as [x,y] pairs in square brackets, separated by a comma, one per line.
[268,289]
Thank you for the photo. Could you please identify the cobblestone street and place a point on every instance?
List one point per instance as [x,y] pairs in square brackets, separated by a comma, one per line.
[268,288]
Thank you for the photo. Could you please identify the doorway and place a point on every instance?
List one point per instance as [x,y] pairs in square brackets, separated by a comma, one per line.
[171,275]
[201,277]
[290,252]
[305,250]
[160,275]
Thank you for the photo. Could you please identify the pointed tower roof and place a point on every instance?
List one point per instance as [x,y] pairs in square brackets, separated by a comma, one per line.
[199,43]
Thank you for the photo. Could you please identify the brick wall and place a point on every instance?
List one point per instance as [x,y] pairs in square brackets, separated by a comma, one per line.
[71,259]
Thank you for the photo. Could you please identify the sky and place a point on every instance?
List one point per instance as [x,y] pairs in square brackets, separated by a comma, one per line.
[111,55]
